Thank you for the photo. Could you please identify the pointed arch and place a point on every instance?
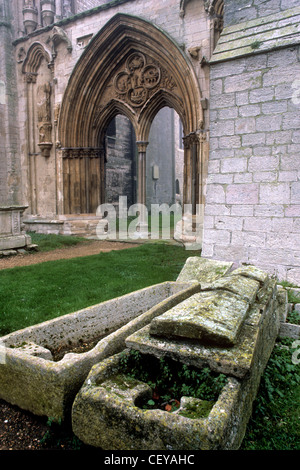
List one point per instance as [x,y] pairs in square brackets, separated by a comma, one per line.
[107,113]
[35,54]
[162,98]
[134,68]
[127,64]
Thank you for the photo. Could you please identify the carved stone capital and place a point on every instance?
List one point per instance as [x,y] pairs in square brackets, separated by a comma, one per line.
[193,138]
[83,152]
[142,146]
[45,148]
[194,52]
[30,77]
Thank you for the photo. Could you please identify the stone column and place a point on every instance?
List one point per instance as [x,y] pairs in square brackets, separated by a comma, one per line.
[10,170]
[141,192]
[193,188]
[187,194]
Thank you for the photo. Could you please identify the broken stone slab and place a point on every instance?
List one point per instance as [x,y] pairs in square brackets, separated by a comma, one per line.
[251,272]
[211,317]
[106,414]
[9,252]
[244,287]
[289,330]
[215,315]
[294,291]
[33,247]
[203,270]
[21,251]
[35,350]
[46,387]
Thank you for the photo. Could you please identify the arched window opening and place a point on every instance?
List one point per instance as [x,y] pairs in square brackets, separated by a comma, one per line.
[165,158]
[120,168]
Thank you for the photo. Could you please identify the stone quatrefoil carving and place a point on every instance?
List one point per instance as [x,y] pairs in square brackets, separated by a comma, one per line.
[134,83]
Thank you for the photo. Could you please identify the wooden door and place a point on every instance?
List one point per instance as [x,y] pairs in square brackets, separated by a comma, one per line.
[83,179]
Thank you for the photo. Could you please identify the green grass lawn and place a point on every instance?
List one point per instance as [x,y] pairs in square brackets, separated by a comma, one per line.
[33,294]
[52,242]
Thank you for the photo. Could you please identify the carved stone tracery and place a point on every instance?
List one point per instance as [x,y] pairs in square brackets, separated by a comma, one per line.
[139,79]
[135,77]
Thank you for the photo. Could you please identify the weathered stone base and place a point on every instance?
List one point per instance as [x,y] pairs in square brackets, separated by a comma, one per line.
[12,234]
[83,225]
[14,242]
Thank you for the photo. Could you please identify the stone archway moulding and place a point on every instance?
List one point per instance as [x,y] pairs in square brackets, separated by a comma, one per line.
[36,53]
[133,68]
[213,7]
[130,67]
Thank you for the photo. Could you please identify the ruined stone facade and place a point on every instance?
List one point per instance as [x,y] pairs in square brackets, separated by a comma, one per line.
[70,67]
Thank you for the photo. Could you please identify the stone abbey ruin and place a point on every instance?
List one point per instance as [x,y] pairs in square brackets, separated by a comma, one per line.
[191,101]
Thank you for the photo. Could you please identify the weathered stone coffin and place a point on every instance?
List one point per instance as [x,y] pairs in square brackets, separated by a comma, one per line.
[33,380]
[230,326]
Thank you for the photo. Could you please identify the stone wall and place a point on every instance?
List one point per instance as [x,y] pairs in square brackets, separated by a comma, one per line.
[9,156]
[252,212]
[238,11]
[83,5]
[120,166]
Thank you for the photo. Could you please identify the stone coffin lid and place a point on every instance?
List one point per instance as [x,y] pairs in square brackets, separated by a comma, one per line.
[203,270]
[213,316]
[238,308]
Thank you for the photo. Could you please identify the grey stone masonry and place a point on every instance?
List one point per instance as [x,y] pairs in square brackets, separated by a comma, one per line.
[237,11]
[10,184]
[252,212]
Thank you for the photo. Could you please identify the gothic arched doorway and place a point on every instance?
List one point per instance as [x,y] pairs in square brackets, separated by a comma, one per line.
[134,69]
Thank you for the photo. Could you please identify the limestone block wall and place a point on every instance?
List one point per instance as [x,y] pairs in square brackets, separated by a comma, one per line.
[237,11]
[9,155]
[83,5]
[120,165]
[252,212]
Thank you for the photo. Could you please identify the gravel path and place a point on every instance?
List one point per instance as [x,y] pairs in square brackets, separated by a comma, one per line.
[86,249]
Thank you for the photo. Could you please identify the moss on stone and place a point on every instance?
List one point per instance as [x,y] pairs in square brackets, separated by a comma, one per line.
[196,409]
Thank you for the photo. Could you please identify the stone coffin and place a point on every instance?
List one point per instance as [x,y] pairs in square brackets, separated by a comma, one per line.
[230,326]
[33,380]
